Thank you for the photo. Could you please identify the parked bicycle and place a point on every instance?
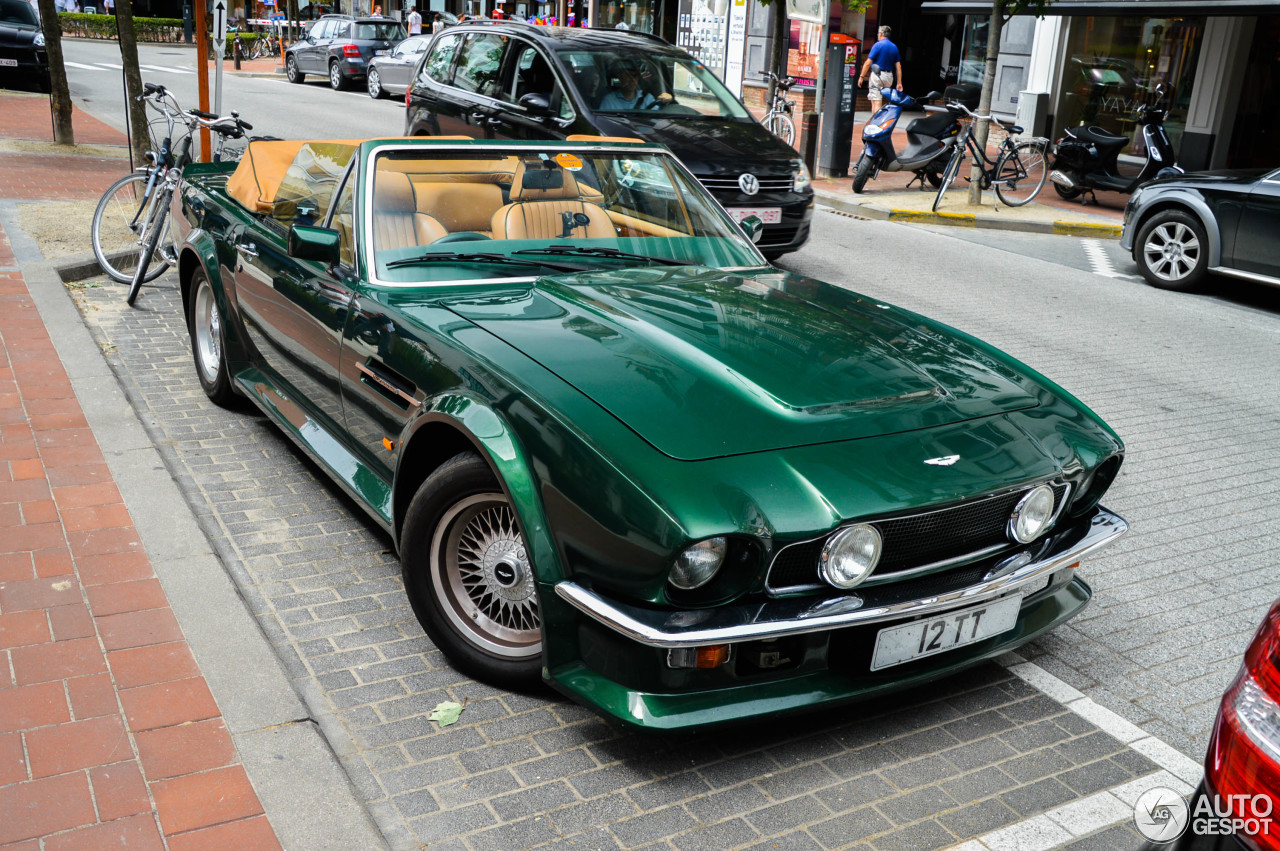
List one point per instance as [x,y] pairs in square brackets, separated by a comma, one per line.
[132,217]
[778,119]
[265,46]
[1017,173]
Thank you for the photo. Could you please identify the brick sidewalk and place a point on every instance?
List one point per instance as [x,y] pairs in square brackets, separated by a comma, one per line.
[109,735]
[48,176]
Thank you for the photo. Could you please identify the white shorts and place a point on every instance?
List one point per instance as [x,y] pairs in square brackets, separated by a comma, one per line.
[877,81]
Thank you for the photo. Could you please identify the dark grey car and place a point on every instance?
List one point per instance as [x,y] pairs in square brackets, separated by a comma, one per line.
[340,48]
[391,73]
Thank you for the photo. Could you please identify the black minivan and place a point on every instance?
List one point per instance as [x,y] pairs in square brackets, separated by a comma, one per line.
[22,51]
[503,80]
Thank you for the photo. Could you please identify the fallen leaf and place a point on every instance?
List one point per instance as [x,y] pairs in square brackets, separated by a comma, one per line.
[446,712]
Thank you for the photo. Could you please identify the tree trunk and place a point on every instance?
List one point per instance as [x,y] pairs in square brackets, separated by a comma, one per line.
[292,13]
[982,126]
[133,80]
[778,59]
[60,95]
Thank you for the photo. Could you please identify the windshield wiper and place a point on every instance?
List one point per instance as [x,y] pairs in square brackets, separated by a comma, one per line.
[600,251]
[480,257]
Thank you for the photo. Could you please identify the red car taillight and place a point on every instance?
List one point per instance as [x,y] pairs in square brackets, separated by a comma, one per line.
[407,92]
[350,50]
[1243,766]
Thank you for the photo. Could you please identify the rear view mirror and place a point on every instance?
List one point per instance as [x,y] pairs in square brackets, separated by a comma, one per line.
[753,227]
[318,244]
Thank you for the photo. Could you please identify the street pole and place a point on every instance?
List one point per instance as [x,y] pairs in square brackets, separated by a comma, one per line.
[220,46]
[202,77]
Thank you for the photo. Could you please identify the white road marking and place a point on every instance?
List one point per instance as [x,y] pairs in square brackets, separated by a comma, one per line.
[1065,824]
[78,65]
[1099,262]
[168,68]
[109,65]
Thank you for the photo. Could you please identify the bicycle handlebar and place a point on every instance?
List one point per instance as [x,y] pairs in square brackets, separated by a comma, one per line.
[972,114]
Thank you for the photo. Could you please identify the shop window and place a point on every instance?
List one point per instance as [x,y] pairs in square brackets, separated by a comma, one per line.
[1113,66]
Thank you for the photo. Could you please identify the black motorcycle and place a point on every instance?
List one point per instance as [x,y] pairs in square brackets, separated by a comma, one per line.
[1088,157]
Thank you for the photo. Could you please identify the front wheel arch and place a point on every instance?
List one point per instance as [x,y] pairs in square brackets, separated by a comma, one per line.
[1186,202]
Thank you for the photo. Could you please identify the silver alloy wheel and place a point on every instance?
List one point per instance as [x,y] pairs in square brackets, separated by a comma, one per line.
[335,76]
[375,84]
[1172,251]
[291,69]
[481,575]
[208,333]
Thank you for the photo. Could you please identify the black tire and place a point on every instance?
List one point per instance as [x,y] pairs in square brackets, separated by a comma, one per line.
[1063,192]
[485,615]
[148,250]
[952,169]
[373,84]
[1172,252]
[291,69]
[934,177]
[208,341]
[115,246]
[1026,168]
[337,82]
[861,174]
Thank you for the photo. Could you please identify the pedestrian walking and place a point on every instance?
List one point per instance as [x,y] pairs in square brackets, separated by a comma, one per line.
[884,54]
[415,21]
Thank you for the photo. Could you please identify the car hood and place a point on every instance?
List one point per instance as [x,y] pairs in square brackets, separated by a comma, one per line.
[1231,177]
[705,363]
[17,35]
[706,144]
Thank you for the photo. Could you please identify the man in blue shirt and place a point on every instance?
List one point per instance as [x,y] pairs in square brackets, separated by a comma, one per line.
[884,53]
[628,94]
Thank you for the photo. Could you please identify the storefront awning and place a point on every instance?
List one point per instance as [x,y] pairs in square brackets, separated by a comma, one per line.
[1147,8]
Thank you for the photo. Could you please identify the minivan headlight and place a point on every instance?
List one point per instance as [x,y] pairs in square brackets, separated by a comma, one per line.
[697,564]
[801,178]
[38,41]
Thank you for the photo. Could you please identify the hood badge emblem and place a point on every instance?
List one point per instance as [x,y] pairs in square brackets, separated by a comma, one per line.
[943,461]
[748,183]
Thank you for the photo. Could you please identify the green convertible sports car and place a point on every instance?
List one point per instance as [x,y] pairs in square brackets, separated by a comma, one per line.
[617,451]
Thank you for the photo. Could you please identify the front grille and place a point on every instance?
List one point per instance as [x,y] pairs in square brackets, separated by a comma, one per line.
[914,540]
[777,236]
[730,184]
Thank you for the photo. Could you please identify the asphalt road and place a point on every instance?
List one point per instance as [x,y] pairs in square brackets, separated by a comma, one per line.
[272,105]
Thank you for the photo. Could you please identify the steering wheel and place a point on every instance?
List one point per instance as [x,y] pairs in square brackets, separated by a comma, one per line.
[461,236]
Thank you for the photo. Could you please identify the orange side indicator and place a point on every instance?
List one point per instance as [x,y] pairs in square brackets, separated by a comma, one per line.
[388,444]
[713,656]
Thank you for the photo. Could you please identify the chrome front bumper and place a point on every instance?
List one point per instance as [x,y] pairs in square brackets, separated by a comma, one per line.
[669,629]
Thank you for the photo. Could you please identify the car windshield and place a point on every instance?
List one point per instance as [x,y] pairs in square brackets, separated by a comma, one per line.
[628,80]
[377,32]
[445,214]
[18,12]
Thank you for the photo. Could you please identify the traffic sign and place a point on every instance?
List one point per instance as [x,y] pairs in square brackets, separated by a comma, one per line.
[219,26]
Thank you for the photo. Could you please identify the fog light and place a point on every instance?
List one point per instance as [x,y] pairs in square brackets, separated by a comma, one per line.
[710,656]
[849,556]
[697,565]
[1032,515]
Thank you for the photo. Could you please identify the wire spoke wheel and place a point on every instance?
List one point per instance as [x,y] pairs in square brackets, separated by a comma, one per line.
[780,125]
[483,577]
[1020,174]
[117,228]
[952,169]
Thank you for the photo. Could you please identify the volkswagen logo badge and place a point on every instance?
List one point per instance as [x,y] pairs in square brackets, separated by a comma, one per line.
[748,183]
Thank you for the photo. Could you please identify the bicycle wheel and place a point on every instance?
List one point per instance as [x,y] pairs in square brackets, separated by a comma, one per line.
[1020,174]
[117,223]
[156,228]
[952,169]
[780,125]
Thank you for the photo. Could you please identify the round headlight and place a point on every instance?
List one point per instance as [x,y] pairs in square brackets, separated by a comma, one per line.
[698,564]
[850,555]
[1032,515]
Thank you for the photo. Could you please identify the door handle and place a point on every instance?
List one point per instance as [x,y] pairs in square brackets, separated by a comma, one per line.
[477,117]
[248,249]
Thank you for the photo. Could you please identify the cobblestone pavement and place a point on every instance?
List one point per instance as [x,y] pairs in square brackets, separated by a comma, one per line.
[1181,379]
[924,770]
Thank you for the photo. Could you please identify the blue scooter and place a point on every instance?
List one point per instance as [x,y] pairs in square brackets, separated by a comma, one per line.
[929,141]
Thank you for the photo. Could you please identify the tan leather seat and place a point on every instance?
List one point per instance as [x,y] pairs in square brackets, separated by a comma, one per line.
[396,220]
[540,197]
[459,206]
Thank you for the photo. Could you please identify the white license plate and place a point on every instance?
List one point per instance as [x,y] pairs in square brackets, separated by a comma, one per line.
[380,53]
[899,644]
[9,63]
[768,215]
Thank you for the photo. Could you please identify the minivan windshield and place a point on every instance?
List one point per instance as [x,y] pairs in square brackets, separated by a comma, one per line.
[450,214]
[626,80]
